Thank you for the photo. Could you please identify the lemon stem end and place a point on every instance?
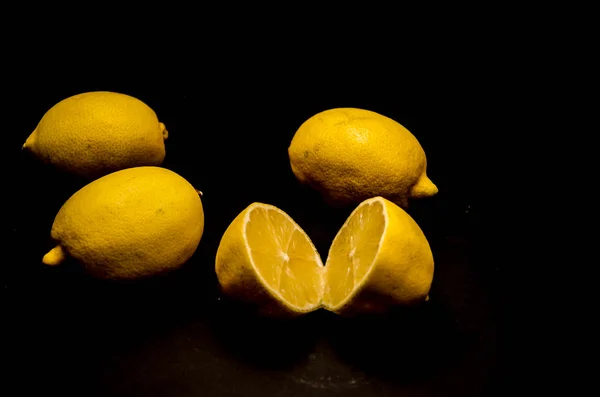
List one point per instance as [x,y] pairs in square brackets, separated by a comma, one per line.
[163,130]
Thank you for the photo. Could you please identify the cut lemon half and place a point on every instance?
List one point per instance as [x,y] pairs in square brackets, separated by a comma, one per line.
[266,259]
[380,258]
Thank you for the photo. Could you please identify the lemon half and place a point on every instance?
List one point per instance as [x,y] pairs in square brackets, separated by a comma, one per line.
[380,258]
[265,258]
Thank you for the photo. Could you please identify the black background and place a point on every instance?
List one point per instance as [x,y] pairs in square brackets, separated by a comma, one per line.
[229,129]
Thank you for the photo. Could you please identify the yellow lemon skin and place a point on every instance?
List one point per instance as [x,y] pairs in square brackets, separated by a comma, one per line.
[350,155]
[132,223]
[388,250]
[96,133]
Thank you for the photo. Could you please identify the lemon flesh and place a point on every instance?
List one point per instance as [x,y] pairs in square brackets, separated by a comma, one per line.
[353,252]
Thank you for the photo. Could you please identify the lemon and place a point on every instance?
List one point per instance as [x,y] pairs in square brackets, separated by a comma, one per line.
[95,133]
[266,259]
[350,155]
[132,223]
[380,258]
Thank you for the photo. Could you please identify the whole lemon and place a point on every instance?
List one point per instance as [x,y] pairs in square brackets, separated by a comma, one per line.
[132,223]
[350,155]
[95,133]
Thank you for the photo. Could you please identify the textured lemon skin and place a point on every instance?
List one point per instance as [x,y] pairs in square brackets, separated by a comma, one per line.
[129,224]
[239,280]
[350,155]
[95,133]
[402,272]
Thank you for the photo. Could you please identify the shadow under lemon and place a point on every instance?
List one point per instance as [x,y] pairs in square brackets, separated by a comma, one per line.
[409,344]
[263,342]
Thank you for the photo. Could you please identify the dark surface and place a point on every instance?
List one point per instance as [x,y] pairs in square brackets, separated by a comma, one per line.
[175,335]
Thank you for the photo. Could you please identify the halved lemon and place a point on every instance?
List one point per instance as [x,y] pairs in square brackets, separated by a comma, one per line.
[266,259]
[380,258]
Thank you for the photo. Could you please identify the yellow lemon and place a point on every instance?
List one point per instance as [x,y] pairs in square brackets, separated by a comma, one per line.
[266,259]
[132,223]
[95,133]
[350,155]
[380,258]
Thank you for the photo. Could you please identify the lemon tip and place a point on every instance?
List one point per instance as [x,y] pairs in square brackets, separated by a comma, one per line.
[55,256]
[424,188]
[29,142]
